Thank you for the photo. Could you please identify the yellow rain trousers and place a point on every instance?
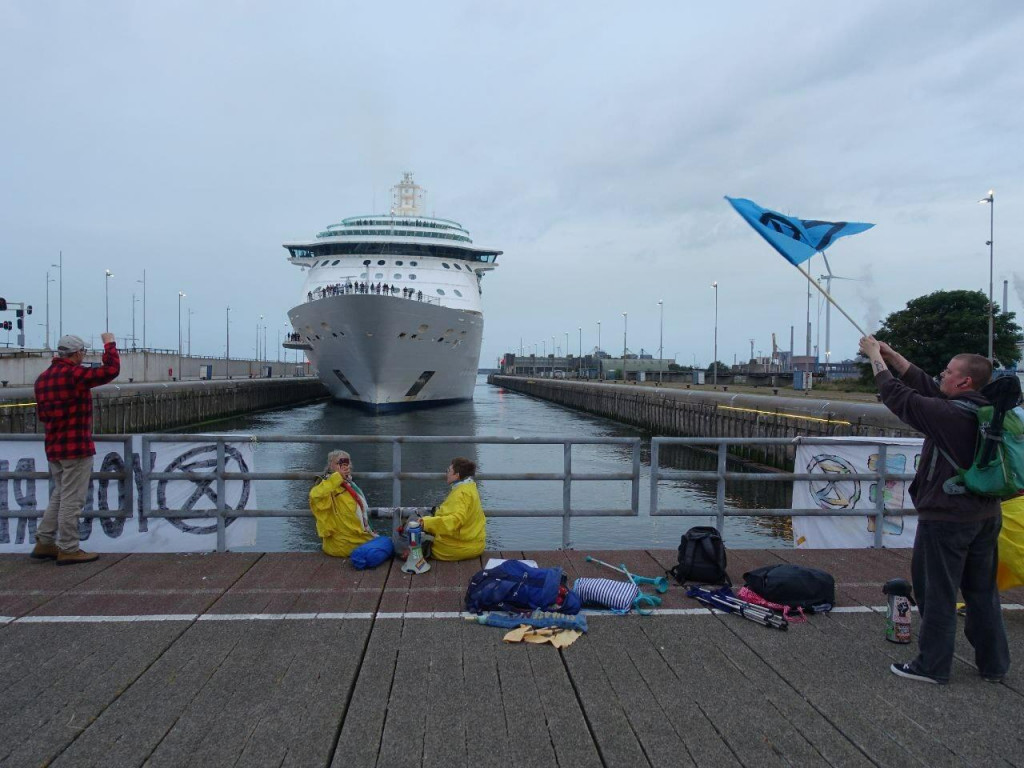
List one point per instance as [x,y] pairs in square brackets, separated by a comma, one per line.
[1011,545]
[458,525]
[338,519]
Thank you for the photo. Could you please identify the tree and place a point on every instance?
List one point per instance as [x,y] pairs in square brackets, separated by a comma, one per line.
[934,328]
[722,368]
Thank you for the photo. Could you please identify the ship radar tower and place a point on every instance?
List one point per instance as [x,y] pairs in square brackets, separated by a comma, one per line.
[407,197]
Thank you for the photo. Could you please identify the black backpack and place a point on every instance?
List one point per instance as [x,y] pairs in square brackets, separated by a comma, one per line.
[794,585]
[701,557]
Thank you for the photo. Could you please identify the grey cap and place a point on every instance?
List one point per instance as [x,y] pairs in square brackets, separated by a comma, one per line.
[70,344]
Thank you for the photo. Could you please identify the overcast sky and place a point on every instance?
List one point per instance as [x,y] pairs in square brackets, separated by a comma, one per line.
[591,142]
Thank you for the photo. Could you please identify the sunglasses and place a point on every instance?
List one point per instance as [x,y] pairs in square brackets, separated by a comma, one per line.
[344,461]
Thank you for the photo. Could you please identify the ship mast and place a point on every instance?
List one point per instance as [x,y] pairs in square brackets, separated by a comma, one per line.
[406,197]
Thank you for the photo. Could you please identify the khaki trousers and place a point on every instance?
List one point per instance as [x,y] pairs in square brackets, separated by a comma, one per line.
[60,521]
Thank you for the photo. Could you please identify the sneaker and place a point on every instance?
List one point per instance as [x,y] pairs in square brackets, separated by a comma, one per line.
[43,551]
[910,672]
[78,556]
[995,679]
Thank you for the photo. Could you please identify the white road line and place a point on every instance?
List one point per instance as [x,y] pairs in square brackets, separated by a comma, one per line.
[367,616]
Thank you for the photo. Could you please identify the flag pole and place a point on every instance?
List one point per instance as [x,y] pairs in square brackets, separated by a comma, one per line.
[830,299]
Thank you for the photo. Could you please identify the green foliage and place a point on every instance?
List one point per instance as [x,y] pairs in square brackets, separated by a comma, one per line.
[934,328]
[722,368]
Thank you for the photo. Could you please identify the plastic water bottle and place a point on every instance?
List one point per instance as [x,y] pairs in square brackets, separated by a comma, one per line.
[897,611]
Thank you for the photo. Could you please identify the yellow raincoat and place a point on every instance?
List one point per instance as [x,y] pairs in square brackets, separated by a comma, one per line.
[458,525]
[1010,573]
[340,515]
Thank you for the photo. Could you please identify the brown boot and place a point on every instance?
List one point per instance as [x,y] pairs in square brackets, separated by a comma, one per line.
[44,551]
[73,558]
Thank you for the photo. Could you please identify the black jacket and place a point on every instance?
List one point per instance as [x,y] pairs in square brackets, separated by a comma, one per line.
[916,399]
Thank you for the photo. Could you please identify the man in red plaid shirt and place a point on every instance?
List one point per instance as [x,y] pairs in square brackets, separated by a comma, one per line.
[64,405]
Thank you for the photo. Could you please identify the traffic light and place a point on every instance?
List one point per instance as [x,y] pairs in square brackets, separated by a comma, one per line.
[30,309]
[6,325]
[3,305]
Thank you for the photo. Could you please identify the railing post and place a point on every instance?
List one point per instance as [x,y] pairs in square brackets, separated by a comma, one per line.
[655,466]
[566,494]
[720,489]
[883,471]
[129,480]
[222,492]
[146,490]
[396,467]
[634,500]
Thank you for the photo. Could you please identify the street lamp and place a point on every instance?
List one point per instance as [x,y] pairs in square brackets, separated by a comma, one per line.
[60,304]
[181,295]
[134,302]
[579,365]
[227,346]
[625,327]
[600,371]
[661,341]
[991,200]
[106,297]
[143,281]
[189,346]
[258,324]
[48,281]
[714,359]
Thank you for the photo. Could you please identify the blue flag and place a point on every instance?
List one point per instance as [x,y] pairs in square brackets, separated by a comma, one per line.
[796,239]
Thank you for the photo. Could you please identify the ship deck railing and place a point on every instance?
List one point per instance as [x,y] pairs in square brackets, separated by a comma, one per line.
[216,474]
[317,295]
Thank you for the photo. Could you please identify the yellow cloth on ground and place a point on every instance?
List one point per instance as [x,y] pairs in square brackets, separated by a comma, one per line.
[340,518]
[1011,545]
[458,526]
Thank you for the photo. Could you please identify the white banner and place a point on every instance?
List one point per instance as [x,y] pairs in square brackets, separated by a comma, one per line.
[135,533]
[834,492]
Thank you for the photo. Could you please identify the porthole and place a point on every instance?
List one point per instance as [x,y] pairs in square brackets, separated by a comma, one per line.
[413,264]
[363,275]
[440,292]
[457,292]
[380,263]
[458,267]
[446,265]
[399,263]
[401,335]
[412,277]
[379,276]
[366,262]
[336,262]
[396,276]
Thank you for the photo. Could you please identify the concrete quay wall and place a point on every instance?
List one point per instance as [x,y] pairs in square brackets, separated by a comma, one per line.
[129,408]
[674,412]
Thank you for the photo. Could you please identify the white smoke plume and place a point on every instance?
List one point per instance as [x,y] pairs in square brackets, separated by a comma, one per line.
[869,298]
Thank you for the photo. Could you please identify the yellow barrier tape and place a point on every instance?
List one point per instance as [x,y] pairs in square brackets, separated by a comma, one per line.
[786,415]
[18,405]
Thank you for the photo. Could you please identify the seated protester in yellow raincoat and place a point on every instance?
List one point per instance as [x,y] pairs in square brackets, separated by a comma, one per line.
[339,507]
[1010,571]
[458,525]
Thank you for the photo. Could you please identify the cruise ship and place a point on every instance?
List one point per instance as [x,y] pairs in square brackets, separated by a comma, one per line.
[391,312]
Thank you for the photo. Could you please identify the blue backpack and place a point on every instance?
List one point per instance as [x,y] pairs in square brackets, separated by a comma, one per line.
[514,586]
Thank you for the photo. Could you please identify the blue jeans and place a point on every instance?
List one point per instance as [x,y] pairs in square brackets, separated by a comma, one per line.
[948,556]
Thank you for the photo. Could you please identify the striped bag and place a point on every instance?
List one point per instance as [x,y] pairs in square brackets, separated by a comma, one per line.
[617,596]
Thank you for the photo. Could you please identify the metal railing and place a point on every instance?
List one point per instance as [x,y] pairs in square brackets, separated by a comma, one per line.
[216,477]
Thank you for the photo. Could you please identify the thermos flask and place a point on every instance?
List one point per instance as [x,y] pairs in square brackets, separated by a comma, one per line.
[897,610]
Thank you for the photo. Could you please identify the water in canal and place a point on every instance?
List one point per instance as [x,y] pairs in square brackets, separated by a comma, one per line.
[498,412]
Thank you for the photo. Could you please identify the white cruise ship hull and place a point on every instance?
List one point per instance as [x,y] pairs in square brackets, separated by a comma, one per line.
[388,353]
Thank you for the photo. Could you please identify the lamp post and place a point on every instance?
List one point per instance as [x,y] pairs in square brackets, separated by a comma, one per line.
[134,302]
[714,360]
[567,353]
[48,281]
[227,345]
[990,198]
[258,324]
[60,303]
[106,297]
[625,327]
[181,295]
[143,281]
[600,371]
[661,341]
[189,346]
[579,365]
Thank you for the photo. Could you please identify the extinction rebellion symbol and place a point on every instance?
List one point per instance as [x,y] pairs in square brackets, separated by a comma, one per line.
[203,458]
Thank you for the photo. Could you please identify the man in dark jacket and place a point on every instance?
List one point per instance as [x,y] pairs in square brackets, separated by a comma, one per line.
[956,542]
[64,405]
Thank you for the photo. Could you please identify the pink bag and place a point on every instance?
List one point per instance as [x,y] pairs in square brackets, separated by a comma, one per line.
[793,616]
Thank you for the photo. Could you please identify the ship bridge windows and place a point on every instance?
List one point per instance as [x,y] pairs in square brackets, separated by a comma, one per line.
[407,250]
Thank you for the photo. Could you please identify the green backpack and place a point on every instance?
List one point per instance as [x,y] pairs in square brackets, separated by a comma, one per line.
[998,467]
